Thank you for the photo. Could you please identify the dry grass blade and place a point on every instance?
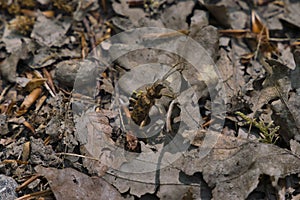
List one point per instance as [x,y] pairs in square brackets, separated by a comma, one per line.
[238,33]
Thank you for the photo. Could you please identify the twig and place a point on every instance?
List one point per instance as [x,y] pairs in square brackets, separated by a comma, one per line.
[206,124]
[3,93]
[77,155]
[47,86]
[35,194]
[169,113]
[90,33]
[31,179]
[259,42]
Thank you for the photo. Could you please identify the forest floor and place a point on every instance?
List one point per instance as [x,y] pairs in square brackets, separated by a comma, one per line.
[149,99]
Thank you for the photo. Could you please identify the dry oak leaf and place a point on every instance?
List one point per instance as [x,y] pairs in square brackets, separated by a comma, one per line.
[71,184]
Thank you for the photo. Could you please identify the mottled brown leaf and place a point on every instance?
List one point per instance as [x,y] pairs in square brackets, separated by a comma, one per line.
[70,184]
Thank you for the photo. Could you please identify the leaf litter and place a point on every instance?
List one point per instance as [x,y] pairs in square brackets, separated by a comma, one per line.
[60,143]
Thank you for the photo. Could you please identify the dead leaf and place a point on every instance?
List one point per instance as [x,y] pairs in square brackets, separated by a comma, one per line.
[246,58]
[53,35]
[140,184]
[295,147]
[257,26]
[31,84]
[54,126]
[285,109]
[174,17]
[286,115]
[7,141]
[70,184]
[93,131]
[8,67]
[134,14]
[41,154]
[233,166]
[29,126]
[291,16]
[184,191]
[26,151]
[208,38]
[220,13]
[22,120]
[132,142]
[286,57]
[29,100]
[44,56]
[49,79]
[17,120]
[40,102]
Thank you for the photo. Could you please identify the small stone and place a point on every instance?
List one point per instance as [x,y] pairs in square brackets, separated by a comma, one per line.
[7,188]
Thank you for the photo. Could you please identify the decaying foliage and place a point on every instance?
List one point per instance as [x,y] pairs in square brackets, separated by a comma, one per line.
[64,104]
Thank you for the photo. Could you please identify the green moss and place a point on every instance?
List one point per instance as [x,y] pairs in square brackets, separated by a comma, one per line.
[268,133]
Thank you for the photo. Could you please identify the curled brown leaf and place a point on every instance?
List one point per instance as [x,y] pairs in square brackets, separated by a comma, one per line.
[28,101]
